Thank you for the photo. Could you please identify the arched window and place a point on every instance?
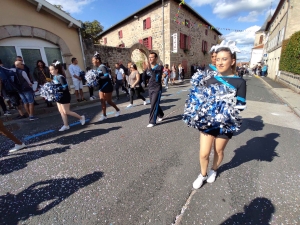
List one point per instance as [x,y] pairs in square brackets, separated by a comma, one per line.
[261,38]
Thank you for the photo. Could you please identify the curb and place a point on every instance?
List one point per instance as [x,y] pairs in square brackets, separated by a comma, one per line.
[296,111]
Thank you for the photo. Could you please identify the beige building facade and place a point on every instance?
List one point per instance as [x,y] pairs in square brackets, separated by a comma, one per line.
[35,29]
[148,25]
[284,23]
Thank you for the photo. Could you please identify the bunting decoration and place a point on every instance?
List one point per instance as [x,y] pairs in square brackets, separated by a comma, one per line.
[192,24]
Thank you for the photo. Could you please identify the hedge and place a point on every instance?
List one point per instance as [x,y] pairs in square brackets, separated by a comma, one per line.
[290,54]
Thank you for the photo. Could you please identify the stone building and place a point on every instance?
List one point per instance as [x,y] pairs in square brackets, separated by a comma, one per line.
[284,23]
[154,28]
[35,29]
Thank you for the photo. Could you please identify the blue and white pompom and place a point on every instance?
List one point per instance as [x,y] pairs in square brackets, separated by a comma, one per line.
[212,106]
[92,78]
[50,92]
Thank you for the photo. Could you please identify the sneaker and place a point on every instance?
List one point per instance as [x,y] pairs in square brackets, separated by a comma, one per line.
[150,125]
[63,128]
[91,98]
[159,119]
[117,113]
[17,147]
[145,102]
[199,181]
[211,176]
[130,105]
[7,113]
[94,97]
[167,87]
[32,118]
[102,118]
[82,120]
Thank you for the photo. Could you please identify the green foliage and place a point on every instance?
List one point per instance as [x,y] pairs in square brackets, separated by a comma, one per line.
[290,54]
[91,30]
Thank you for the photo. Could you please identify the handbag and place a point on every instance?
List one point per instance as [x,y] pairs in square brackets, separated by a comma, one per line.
[47,79]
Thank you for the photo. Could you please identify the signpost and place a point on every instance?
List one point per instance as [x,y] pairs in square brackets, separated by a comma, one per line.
[174,42]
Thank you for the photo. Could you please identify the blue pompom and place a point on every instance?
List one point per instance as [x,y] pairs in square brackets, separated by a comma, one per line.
[51,92]
[92,77]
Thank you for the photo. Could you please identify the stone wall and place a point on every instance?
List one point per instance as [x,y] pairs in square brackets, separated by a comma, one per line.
[290,80]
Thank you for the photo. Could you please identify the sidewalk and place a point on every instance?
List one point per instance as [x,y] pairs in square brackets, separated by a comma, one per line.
[291,98]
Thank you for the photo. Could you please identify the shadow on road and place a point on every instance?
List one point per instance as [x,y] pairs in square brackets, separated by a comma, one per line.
[258,148]
[259,211]
[40,197]
[254,124]
[20,160]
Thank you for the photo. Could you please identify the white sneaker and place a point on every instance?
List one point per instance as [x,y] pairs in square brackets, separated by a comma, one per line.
[102,118]
[94,97]
[82,120]
[130,105]
[63,128]
[159,119]
[117,113]
[145,102]
[91,98]
[199,181]
[150,125]
[17,147]
[211,176]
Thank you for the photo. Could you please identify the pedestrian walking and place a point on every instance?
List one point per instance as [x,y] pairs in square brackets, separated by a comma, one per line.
[166,75]
[173,74]
[18,144]
[120,80]
[155,90]
[105,87]
[216,128]
[180,72]
[135,88]
[63,104]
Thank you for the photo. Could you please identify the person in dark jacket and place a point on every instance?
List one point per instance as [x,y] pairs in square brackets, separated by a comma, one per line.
[155,72]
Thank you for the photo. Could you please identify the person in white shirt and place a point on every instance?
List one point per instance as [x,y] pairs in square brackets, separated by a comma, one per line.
[119,80]
[75,70]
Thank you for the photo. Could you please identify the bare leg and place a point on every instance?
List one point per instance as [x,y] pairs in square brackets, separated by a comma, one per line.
[63,115]
[19,108]
[31,109]
[219,148]
[103,102]
[108,98]
[205,147]
[8,134]
[81,94]
[26,106]
[76,93]
[67,111]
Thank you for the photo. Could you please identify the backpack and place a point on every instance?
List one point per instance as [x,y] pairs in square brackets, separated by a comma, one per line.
[13,81]
[7,77]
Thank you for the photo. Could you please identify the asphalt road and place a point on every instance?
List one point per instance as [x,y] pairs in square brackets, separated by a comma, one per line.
[120,172]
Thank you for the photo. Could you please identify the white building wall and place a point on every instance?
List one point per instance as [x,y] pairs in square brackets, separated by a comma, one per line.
[256,57]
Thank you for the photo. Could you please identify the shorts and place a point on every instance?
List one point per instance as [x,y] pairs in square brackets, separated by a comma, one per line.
[217,133]
[27,97]
[14,98]
[77,84]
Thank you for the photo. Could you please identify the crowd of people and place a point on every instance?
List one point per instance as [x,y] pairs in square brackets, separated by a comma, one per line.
[216,127]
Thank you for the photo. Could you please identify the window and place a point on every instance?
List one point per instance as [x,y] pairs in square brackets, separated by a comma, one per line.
[147,23]
[8,55]
[185,41]
[105,41]
[204,46]
[261,38]
[215,37]
[147,42]
[52,54]
[120,34]
[206,32]
[187,23]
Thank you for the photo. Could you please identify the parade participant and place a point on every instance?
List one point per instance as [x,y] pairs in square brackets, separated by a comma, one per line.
[134,82]
[18,144]
[105,86]
[216,120]
[155,89]
[63,104]
[212,65]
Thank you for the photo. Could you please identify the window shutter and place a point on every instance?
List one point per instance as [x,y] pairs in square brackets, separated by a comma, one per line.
[141,41]
[181,41]
[206,46]
[150,43]
[120,34]
[105,41]
[189,42]
[148,23]
[202,46]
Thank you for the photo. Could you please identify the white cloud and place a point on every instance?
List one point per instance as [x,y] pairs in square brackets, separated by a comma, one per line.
[231,8]
[71,6]
[245,41]
[251,17]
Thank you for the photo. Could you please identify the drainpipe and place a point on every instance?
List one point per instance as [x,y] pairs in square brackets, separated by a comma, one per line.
[163,32]
[81,45]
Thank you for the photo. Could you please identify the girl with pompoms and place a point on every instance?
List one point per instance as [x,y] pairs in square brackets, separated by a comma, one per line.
[217,128]
[105,86]
[63,104]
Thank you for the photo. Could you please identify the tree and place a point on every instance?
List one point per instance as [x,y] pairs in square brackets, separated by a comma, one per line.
[91,30]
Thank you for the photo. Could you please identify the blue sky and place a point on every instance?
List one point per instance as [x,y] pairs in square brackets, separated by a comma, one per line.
[234,14]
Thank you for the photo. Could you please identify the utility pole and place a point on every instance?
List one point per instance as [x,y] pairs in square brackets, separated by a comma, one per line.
[163,32]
